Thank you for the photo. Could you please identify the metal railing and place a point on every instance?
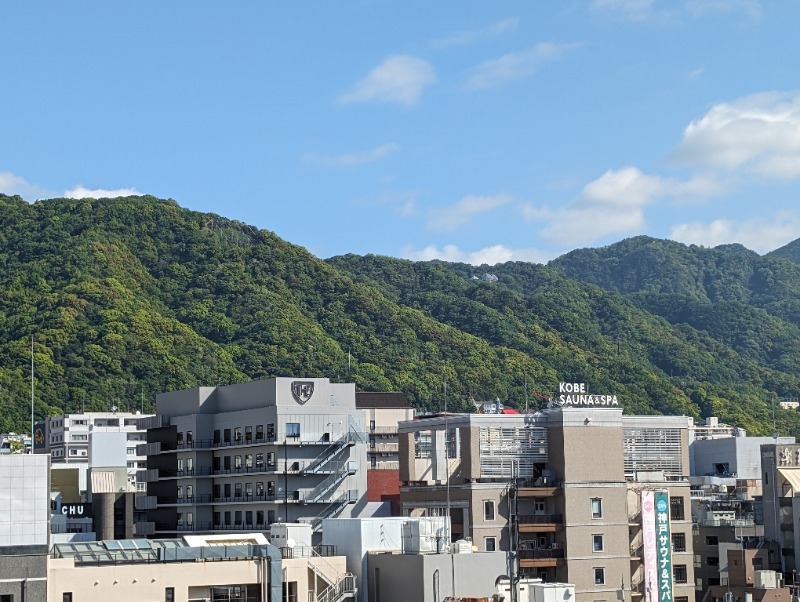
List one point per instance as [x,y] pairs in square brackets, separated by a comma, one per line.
[540,519]
[541,554]
[345,587]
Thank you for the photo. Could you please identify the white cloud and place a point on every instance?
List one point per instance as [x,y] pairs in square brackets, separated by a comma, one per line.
[515,65]
[80,192]
[352,159]
[399,79]
[614,204]
[454,216]
[758,133]
[467,37]
[12,184]
[759,234]
[584,225]
[488,255]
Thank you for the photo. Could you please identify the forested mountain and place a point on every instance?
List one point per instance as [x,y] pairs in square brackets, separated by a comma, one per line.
[125,298]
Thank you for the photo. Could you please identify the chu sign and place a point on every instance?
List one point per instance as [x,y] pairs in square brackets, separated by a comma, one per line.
[575,394]
[76,510]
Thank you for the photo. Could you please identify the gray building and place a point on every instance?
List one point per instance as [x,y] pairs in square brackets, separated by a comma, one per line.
[244,456]
[24,527]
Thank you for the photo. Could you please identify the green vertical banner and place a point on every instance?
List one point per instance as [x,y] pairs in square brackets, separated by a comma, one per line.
[663,547]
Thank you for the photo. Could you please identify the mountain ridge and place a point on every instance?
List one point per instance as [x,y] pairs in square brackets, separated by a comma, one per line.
[128,297]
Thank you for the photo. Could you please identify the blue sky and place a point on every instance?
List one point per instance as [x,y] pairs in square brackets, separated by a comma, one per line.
[466,131]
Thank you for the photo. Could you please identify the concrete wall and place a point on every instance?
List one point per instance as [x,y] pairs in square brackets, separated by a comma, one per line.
[23,573]
[425,578]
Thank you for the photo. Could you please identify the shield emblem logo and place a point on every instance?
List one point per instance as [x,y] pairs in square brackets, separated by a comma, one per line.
[302,390]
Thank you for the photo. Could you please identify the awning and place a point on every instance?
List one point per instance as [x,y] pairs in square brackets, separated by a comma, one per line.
[792,476]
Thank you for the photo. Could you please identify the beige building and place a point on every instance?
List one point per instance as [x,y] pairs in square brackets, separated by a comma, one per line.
[562,489]
[383,412]
[243,568]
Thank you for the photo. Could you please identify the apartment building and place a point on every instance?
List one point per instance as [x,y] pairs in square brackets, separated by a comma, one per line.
[570,491]
[780,467]
[94,439]
[241,457]
[383,413]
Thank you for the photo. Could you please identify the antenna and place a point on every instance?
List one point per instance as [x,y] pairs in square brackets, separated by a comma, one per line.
[32,390]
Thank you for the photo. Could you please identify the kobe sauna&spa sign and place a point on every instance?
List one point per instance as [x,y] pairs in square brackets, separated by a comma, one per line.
[575,394]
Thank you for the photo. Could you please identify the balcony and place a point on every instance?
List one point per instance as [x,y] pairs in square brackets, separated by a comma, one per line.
[539,523]
[383,430]
[244,499]
[542,487]
[383,448]
[529,559]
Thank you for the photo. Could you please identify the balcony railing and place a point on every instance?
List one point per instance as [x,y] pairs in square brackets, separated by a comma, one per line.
[263,497]
[540,519]
[541,554]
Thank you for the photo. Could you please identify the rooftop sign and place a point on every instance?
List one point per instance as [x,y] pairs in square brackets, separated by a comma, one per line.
[576,395]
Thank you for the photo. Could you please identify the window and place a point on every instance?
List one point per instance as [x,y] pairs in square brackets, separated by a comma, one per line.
[372,425]
[237,490]
[676,508]
[681,598]
[678,542]
[217,519]
[270,432]
[189,518]
[180,491]
[65,597]
[228,518]
[270,458]
[217,462]
[180,438]
[189,492]
[227,462]
[189,464]
[712,561]
[237,517]
[237,462]
[712,540]
[237,433]
[227,489]
[189,438]
[248,461]
[217,491]
[490,544]
[597,507]
[488,510]
[259,460]
[293,430]
[248,517]
[259,517]
[373,462]
[679,572]
[227,435]
[260,488]
[597,543]
[270,488]
[248,489]
[216,436]
[248,433]
[599,575]
[180,463]
[270,517]
[259,431]
[169,594]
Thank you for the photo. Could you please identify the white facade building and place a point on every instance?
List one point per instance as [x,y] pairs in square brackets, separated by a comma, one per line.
[94,439]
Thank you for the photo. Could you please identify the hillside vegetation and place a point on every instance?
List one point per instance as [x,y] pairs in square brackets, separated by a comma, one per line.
[125,298]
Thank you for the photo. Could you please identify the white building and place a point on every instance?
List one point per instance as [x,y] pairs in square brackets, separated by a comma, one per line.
[94,439]
[24,526]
